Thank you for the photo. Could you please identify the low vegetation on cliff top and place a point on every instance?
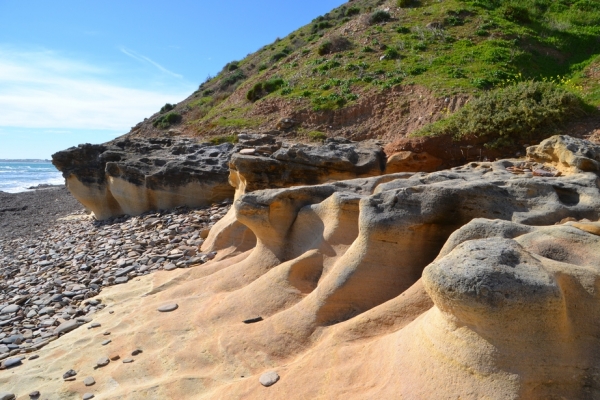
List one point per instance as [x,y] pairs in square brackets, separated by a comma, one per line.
[450,47]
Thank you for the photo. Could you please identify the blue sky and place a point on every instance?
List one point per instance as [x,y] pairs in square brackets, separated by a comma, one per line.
[85,72]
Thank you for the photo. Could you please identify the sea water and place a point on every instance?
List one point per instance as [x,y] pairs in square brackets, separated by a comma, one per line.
[17,176]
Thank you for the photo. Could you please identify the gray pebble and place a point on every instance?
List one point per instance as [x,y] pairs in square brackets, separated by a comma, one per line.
[269,378]
[10,309]
[127,360]
[34,395]
[170,267]
[69,374]
[7,396]
[12,362]
[106,342]
[136,352]
[102,362]
[34,357]
[88,396]
[168,307]
[89,381]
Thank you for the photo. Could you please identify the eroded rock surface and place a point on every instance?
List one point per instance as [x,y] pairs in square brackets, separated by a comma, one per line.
[471,283]
[298,164]
[135,176]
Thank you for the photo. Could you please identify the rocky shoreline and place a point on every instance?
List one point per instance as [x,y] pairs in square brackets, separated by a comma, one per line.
[47,279]
[26,214]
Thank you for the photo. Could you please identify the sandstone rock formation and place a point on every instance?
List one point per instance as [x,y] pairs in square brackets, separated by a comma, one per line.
[134,176]
[465,283]
[298,164]
[567,154]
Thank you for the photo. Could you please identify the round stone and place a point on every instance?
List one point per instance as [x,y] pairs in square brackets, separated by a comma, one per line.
[34,395]
[269,378]
[89,381]
[168,307]
[88,396]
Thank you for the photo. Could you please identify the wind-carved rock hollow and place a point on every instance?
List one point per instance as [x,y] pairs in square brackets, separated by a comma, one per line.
[477,282]
[453,284]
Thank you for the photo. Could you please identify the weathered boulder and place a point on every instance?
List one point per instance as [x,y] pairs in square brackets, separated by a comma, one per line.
[567,154]
[131,177]
[297,164]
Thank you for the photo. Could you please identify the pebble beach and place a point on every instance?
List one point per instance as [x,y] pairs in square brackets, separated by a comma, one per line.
[50,271]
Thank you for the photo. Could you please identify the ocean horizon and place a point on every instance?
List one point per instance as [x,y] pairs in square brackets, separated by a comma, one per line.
[20,174]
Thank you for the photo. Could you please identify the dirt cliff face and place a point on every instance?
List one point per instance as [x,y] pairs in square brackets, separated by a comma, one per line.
[466,282]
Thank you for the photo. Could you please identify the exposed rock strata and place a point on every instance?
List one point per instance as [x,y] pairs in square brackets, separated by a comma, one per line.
[295,165]
[134,176]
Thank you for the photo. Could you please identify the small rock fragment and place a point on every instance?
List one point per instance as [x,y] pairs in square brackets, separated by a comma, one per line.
[69,374]
[88,396]
[269,378]
[136,352]
[102,362]
[114,357]
[127,360]
[252,320]
[106,342]
[34,357]
[168,307]
[89,381]
[34,395]
[7,396]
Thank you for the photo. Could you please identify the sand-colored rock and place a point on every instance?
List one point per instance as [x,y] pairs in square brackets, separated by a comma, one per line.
[133,176]
[408,161]
[454,284]
[567,154]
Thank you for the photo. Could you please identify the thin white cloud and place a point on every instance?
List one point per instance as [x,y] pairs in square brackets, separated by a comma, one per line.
[142,58]
[42,89]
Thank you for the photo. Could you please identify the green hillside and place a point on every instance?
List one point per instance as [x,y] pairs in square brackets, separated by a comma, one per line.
[328,73]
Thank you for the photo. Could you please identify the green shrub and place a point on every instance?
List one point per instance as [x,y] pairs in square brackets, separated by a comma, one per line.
[231,79]
[166,108]
[379,16]
[391,53]
[335,44]
[278,56]
[167,120]
[403,3]
[262,89]
[402,29]
[525,111]
[516,13]
[232,66]
[352,11]
[324,48]
[317,136]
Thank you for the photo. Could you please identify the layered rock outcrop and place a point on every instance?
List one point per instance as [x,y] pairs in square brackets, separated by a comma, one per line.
[134,176]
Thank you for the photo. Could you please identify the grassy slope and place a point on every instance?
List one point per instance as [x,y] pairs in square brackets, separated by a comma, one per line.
[449,47]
